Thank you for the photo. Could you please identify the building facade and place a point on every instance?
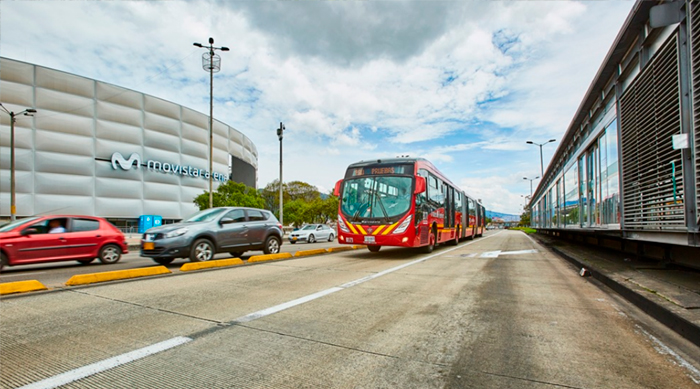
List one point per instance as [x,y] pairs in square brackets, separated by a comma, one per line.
[628,166]
[95,148]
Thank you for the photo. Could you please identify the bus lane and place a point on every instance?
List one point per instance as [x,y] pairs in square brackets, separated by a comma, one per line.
[493,312]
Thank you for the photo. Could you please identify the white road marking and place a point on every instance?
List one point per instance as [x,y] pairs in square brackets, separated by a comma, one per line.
[518,252]
[287,305]
[495,254]
[85,371]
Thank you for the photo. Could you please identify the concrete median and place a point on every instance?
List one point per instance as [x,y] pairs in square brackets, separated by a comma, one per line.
[305,253]
[83,279]
[339,249]
[190,266]
[21,287]
[269,257]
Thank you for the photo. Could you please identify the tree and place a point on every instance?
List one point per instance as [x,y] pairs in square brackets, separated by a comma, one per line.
[298,190]
[271,196]
[329,208]
[296,212]
[524,219]
[231,194]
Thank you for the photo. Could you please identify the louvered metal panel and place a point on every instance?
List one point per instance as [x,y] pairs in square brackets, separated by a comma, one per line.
[652,174]
[695,70]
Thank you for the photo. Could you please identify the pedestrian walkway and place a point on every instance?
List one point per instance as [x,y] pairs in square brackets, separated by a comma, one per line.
[671,295]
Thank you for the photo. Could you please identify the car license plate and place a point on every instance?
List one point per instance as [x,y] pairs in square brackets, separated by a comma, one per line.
[149,245]
[369,239]
[294,238]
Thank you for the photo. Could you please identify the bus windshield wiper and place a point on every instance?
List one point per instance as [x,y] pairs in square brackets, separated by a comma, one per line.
[381,205]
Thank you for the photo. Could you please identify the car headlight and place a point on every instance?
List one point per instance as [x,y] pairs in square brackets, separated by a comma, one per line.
[341,224]
[175,233]
[403,226]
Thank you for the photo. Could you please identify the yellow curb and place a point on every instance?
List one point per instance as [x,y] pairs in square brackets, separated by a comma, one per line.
[82,279]
[342,248]
[210,264]
[310,252]
[359,247]
[268,257]
[21,287]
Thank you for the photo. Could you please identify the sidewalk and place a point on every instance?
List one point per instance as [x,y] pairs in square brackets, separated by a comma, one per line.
[134,242]
[671,296]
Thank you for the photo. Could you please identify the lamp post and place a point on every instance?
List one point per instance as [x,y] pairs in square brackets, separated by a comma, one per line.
[13,118]
[280,135]
[212,63]
[531,179]
[541,144]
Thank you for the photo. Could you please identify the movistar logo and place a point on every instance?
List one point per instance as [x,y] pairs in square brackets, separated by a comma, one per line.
[163,167]
[125,164]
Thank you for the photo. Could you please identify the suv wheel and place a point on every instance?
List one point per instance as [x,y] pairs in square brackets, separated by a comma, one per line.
[272,245]
[202,250]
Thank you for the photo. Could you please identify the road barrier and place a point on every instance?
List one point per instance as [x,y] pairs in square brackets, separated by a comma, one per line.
[190,266]
[21,287]
[339,249]
[269,257]
[310,252]
[92,278]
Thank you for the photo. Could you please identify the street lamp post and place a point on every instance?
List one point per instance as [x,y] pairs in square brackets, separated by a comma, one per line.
[531,179]
[280,135]
[541,144]
[13,118]
[212,63]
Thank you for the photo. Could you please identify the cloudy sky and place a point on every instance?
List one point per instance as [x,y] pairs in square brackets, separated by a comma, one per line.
[462,83]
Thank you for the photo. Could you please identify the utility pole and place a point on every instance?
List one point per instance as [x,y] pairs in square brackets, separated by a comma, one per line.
[13,119]
[212,63]
[280,135]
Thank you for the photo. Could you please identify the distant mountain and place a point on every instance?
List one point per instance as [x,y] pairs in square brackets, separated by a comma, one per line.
[504,216]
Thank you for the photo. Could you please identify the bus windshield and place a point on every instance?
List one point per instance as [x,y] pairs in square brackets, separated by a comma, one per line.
[381,197]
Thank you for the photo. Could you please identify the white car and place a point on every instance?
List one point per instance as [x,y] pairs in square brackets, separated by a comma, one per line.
[312,233]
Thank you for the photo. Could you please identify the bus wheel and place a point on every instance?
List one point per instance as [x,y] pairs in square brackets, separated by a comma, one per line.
[374,249]
[431,244]
[455,242]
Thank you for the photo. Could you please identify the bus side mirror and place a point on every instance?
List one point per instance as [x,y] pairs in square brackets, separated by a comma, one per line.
[336,191]
[420,185]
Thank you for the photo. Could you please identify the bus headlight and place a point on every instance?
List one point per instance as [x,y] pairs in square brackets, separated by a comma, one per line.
[341,224]
[403,226]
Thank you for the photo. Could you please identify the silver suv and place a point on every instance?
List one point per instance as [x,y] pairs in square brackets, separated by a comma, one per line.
[216,230]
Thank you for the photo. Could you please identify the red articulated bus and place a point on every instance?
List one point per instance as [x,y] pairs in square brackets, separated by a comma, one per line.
[404,202]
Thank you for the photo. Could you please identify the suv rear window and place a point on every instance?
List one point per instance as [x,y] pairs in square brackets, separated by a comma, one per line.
[256,215]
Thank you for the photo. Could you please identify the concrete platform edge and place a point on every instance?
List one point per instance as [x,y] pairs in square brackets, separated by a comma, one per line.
[679,324]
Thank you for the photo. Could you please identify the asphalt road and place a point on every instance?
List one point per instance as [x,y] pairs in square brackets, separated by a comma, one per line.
[54,275]
[496,312]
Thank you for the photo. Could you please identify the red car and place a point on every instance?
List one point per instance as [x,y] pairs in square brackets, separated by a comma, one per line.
[41,239]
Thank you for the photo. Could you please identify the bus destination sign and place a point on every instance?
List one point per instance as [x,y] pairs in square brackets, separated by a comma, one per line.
[379,170]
